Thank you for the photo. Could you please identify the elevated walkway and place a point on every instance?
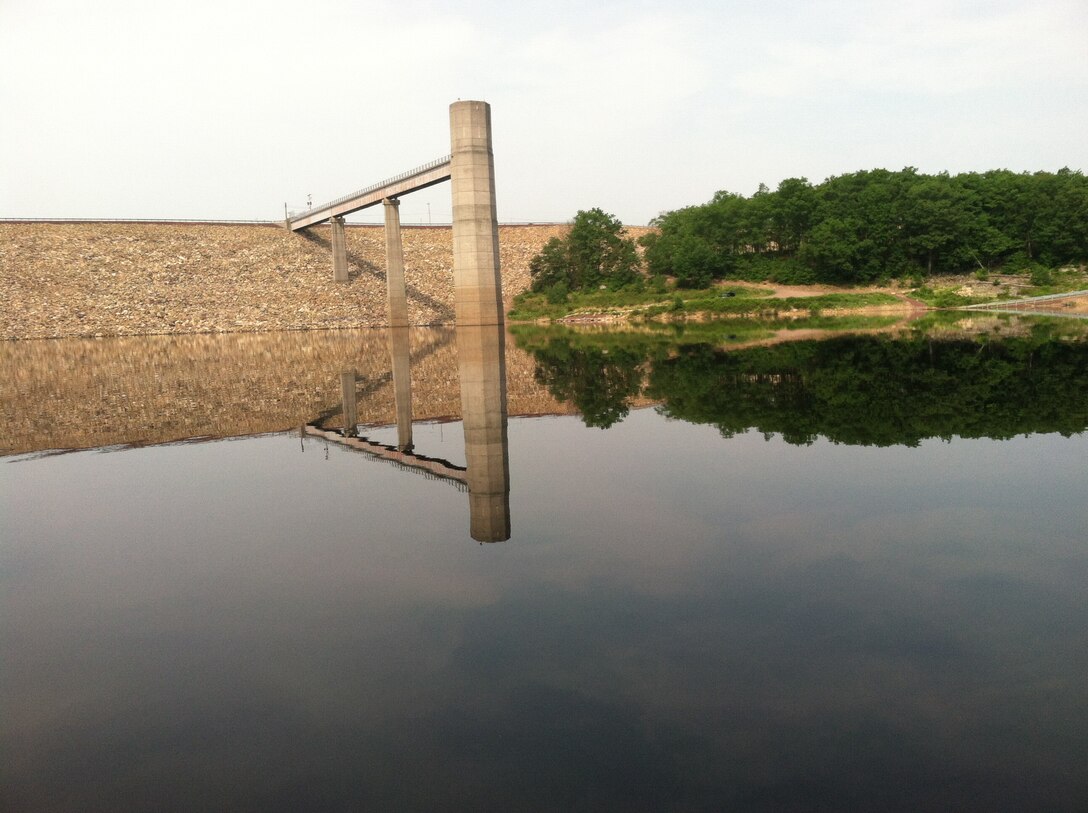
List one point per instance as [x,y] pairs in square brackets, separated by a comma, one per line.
[413,180]
[434,467]
[481,377]
[470,167]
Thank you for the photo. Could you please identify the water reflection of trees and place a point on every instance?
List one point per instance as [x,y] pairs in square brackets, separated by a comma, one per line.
[597,380]
[862,390]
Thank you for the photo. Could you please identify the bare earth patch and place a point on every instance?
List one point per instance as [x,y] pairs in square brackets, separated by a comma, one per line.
[805,291]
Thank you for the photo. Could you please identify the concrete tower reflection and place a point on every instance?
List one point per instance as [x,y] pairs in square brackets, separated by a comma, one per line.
[350,405]
[399,346]
[481,372]
[481,366]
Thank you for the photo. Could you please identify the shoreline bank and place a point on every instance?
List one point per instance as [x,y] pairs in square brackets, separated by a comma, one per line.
[98,279]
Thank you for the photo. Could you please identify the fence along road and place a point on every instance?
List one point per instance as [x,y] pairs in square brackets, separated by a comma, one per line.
[1009,304]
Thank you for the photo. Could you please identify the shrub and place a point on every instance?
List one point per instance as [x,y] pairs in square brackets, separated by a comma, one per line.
[1040,275]
[595,252]
[557,294]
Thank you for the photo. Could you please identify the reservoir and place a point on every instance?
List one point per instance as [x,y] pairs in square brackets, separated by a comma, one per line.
[736,566]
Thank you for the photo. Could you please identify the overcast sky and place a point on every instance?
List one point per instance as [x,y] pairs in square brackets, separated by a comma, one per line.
[220,109]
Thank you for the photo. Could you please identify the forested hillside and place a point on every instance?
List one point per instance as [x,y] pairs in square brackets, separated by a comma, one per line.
[874,225]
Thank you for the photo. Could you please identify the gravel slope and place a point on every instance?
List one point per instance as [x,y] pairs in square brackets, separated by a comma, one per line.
[127,279]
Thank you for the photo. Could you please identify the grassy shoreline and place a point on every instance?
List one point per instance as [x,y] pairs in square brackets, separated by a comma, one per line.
[767,300]
[717,302]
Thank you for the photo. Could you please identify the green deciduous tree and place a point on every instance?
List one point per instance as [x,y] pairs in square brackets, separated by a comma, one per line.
[596,251]
[694,245]
[942,221]
[834,250]
[793,207]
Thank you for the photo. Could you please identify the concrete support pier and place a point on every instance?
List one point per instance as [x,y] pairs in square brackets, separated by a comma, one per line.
[347,399]
[339,251]
[477,282]
[399,350]
[394,265]
[481,367]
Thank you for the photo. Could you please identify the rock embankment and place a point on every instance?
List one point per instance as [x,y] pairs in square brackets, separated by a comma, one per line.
[132,279]
[88,393]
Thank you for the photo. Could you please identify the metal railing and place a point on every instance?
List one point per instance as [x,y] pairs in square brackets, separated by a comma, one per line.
[373,187]
[1036,313]
[1028,301]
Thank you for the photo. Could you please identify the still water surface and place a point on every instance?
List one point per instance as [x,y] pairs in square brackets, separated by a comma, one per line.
[686,615]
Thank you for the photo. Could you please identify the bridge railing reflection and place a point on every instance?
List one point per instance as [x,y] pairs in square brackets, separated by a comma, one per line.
[481,368]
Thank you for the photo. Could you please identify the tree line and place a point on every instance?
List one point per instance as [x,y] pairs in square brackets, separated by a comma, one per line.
[857,390]
[861,227]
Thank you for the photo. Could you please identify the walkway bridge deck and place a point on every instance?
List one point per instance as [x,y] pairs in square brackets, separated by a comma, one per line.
[413,180]
[433,467]
[470,168]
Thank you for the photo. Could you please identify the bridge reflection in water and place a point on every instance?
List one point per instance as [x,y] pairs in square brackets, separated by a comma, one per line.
[481,371]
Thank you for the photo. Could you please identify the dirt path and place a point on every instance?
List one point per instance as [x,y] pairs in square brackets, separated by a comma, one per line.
[803,291]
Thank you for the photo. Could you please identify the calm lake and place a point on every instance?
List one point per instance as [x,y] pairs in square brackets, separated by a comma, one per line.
[736,567]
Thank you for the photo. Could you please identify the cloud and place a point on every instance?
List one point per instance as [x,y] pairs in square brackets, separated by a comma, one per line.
[212,108]
[924,48]
[644,62]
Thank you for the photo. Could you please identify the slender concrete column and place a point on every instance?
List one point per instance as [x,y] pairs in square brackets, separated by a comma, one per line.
[347,398]
[477,282]
[339,251]
[394,265]
[399,346]
[481,367]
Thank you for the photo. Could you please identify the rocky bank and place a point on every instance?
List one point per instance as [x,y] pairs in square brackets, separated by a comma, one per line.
[91,393]
[130,279]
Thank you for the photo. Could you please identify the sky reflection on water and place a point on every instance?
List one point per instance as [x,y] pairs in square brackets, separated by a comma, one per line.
[678,621]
